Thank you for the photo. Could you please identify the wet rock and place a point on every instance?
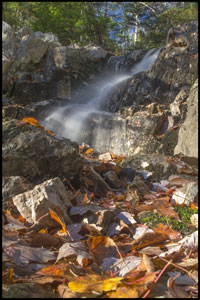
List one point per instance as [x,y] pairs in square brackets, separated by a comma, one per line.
[174,69]
[30,152]
[12,186]
[35,203]
[187,146]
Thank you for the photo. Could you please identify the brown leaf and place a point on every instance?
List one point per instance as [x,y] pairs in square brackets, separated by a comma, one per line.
[172,234]
[44,240]
[168,212]
[148,264]
[103,246]
[148,239]
[65,292]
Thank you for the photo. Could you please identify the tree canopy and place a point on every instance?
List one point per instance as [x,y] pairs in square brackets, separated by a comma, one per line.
[116,26]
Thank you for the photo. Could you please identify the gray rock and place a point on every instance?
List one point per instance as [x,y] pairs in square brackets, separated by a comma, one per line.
[27,290]
[112,179]
[12,186]
[31,152]
[187,146]
[35,203]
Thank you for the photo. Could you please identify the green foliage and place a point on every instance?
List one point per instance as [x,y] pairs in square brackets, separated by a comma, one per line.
[153,219]
[108,24]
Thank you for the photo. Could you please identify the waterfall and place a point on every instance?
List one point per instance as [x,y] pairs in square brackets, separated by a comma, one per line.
[88,123]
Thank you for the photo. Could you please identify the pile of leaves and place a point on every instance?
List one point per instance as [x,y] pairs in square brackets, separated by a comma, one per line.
[115,248]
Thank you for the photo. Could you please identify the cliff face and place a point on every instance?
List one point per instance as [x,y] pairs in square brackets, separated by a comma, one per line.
[152,105]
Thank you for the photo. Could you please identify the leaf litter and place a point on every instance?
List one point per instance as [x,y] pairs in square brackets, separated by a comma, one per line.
[107,252]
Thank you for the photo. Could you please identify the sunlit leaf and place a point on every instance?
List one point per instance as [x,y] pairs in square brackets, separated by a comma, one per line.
[94,283]
[54,216]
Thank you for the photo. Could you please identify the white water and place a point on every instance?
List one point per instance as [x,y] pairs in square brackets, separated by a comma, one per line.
[69,121]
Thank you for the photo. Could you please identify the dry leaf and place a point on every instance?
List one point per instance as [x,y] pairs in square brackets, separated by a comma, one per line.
[60,220]
[148,264]
[172,234]
[94,283]
[90,150]
[21,255]
[74,249]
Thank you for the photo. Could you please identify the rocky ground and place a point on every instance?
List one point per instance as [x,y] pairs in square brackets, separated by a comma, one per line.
[80,223]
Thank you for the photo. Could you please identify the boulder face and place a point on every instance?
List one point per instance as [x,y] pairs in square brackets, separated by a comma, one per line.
[175,69]
[187,146]
[30,152]
[36,67]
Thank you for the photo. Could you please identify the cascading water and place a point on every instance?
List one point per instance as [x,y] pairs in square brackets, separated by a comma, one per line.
[88,123]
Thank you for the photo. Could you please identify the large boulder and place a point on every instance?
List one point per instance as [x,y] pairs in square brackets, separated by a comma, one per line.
[36,67]
[31,152]
[187,146]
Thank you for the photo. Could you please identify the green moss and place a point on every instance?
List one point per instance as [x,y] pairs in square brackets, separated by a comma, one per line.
[153,219]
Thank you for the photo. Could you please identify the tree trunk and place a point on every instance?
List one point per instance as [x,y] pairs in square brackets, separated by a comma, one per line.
[136,30]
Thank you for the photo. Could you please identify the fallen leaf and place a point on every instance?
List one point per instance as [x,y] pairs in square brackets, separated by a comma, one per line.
[90,150]
[94,283]
[103,246]
[60,220]
[148,263]
[77,249]
[172,234]
[21,255]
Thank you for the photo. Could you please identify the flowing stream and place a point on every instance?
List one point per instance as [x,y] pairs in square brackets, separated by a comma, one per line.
[88,123]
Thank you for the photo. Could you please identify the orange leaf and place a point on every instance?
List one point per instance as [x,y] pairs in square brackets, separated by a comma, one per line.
[50,132]
[119,159]
[54,216]
[171,191]
[88,151]
[20,218]
[193,206]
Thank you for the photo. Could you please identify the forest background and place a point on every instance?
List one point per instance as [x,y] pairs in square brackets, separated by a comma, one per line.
[118,27]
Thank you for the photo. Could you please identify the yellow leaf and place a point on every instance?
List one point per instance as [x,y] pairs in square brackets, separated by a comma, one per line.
[92,284]
[90,150]
[44,230]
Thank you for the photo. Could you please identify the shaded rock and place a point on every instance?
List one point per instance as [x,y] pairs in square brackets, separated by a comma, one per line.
[156,166]
[27,290]
[128,173]
[94,182]
[12,186]
[30,152]
[35,203]
[112,179]
[187,146]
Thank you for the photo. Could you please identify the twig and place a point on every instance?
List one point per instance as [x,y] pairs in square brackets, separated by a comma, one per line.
[65,179]
[163,270]
[181,268]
